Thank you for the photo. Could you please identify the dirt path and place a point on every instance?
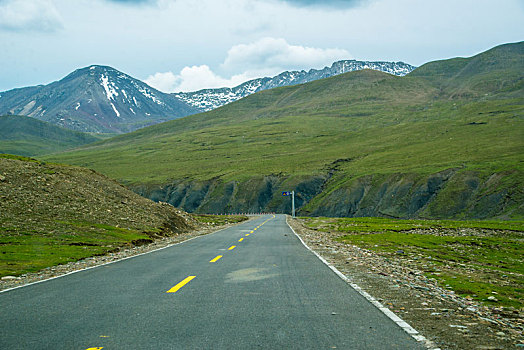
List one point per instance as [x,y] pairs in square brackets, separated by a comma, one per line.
[449,321]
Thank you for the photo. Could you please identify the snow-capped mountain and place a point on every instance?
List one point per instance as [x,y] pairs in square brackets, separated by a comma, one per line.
[209,99]
[95,99]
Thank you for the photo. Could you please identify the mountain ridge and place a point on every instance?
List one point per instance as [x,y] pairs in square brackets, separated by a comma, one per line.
[209,99]
[102,99]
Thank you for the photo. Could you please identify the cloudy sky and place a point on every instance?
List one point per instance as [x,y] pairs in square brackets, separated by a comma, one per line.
[186,45]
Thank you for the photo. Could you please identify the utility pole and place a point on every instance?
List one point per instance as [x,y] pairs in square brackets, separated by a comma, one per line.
[292,194]
[293,203]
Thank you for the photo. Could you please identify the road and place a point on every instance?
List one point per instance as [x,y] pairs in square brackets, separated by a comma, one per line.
[252,286]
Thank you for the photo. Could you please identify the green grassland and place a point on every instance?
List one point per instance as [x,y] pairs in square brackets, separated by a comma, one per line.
[473,258]
[60,242]
[31,251]
[52,214]
[462,114]
[422,138]
[368,225]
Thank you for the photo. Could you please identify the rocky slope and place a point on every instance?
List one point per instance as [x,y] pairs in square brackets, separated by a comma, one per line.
[208,99]
[448,194]
[95,99]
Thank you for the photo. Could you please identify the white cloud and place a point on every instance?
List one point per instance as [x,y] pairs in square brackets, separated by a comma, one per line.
[325,3]
[134,2]
[166,82]
[29,15]
[192,79]
[272,54]
[265,57]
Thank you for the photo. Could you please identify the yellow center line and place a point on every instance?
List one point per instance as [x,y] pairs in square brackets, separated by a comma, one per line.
[241,239]
[232,247]
[181,284]
[252,231]
[99,348]
[216,258]
[247,234]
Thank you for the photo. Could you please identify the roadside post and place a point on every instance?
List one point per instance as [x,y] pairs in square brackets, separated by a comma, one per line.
[292,194]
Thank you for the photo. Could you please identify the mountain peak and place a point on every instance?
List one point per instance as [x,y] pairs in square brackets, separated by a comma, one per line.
[95,99]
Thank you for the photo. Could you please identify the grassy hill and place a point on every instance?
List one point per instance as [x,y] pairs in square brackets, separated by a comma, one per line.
[495,72]
[444,141]
[52,214]
[28,136]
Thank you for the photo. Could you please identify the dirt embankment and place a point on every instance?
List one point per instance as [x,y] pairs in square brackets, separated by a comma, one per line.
[53,214]
[41,198]
[446,319]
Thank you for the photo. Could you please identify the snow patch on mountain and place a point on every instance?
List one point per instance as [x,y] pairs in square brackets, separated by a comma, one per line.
[109,87]
[114,109]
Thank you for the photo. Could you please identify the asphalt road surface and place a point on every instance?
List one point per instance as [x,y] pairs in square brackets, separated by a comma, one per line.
[252,286]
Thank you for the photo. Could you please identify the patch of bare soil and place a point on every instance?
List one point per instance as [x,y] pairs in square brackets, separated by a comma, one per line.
[444,318]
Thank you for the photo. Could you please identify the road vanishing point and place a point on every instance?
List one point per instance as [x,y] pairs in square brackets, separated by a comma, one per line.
[251,286]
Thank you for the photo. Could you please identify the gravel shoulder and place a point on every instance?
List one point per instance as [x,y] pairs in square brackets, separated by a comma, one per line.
[444,318]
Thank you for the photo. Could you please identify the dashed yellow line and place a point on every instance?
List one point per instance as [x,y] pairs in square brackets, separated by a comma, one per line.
[180,284]
[241,239]
[216,258]
[232,247]
[247,234]
[99,348]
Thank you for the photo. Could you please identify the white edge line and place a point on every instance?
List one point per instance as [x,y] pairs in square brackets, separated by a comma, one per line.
[110,262]
[400,322]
